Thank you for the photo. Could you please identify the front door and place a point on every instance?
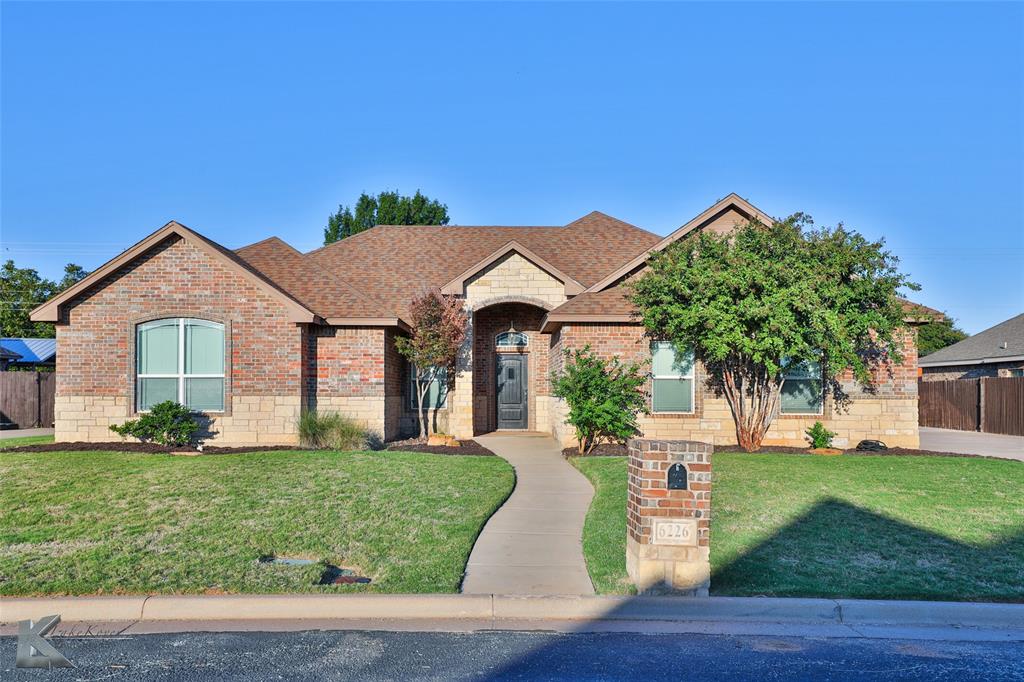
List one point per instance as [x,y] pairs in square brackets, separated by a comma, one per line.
[512,413]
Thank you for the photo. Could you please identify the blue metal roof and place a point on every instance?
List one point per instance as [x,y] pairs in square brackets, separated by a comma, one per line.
[32,350]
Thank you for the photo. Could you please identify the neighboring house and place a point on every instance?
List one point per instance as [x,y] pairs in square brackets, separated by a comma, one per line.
[32,353]
[996,352]
[7,357]
[253,336]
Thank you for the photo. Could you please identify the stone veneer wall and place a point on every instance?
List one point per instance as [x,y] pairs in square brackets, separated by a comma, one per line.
[889,414]
[510,279]
[96,365]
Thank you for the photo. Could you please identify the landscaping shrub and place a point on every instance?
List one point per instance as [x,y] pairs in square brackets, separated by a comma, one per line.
[604,397]
[167,423]
[331,430]
[819,436]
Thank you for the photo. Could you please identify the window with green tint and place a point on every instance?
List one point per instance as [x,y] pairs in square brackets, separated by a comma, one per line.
[157,347]
[802,389]
[672,379]
[180,359]
[437,394]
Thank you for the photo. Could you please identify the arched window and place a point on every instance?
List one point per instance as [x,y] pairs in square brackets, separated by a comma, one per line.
[511,340]
[180,359]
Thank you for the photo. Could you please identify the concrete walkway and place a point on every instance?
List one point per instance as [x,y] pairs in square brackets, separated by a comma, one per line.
[533,544]
[21,433]
[972,443]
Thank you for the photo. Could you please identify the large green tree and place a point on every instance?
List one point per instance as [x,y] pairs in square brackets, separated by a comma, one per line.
[386,208]
[938,334]
[764,298]
[22,289]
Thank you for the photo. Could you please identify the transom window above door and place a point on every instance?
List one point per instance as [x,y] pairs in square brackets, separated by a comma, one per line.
[180,359]
[511,340]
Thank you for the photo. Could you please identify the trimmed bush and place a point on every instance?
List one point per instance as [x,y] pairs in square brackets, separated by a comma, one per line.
[332,431]
[167,423]
[819,436]
[604,397]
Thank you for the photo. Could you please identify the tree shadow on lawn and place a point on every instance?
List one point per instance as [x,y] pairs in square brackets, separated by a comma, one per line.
[837,549]
[833,550]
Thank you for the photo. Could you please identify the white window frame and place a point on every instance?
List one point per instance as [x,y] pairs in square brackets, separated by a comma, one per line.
[821,401]
[414,391]
[504,346]
[181,376]
[692,376]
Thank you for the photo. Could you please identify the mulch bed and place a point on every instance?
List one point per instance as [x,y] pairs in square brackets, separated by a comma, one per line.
[602,450]
[616,450]
[468,447]
[149,448]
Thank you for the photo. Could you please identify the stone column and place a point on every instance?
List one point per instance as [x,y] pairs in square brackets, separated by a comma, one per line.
[669,516]
[460,402]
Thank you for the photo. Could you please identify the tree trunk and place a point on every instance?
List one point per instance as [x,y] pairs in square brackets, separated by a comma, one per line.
[422,388]
[753,397]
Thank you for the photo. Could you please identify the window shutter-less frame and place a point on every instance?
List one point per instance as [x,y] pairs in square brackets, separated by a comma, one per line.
[180,359]
[672,379]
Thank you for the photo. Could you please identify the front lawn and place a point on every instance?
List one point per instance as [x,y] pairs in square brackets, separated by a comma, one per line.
[104,522]
[869,527]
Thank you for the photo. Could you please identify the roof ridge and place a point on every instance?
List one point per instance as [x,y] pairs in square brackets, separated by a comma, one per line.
[272,238]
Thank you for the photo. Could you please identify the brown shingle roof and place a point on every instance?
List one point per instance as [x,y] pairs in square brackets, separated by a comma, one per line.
[393,262]
[301,278]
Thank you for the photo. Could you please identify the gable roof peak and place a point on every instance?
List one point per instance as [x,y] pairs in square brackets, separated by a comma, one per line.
[731,200]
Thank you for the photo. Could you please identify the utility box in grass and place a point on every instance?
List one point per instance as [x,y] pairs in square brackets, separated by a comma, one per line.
[669,516]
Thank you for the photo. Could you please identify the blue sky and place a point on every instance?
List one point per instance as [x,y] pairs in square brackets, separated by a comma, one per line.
[244,120]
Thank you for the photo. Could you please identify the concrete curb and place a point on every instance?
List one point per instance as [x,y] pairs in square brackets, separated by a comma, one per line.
[484,607]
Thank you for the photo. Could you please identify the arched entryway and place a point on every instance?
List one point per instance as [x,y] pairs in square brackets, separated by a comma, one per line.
[510,368]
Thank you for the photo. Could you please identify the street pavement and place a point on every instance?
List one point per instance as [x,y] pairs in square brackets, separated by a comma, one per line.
[364,655]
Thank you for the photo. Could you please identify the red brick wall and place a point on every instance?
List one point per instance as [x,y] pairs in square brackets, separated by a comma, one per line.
[394,378]
[346,361]
[176,279]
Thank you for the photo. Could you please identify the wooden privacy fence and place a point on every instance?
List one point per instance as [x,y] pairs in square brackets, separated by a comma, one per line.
[26,398]
[992,405]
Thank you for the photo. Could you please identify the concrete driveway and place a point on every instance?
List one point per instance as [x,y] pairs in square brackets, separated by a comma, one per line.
[972,443]
[21,433]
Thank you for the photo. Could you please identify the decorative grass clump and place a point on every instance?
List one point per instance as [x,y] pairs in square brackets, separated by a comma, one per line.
[333,431]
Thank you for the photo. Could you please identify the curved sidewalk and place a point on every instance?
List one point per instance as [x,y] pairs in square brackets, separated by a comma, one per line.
[533,544]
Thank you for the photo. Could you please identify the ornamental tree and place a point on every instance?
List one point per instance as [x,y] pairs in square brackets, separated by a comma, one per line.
[439,326]
[604,397]
[766,297]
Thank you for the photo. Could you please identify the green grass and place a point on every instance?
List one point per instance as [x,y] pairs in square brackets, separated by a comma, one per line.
[866,527]
[7,443]
[104,522]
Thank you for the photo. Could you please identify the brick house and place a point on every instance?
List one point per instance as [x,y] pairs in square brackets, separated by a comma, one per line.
[996,352]
[251,337]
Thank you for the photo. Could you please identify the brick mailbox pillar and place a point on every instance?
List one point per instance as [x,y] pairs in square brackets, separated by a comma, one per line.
[669,516]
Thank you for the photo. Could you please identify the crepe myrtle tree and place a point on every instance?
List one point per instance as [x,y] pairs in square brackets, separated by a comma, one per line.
[439,325]
[763,298]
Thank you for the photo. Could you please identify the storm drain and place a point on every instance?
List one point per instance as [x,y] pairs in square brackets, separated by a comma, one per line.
[332,575]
